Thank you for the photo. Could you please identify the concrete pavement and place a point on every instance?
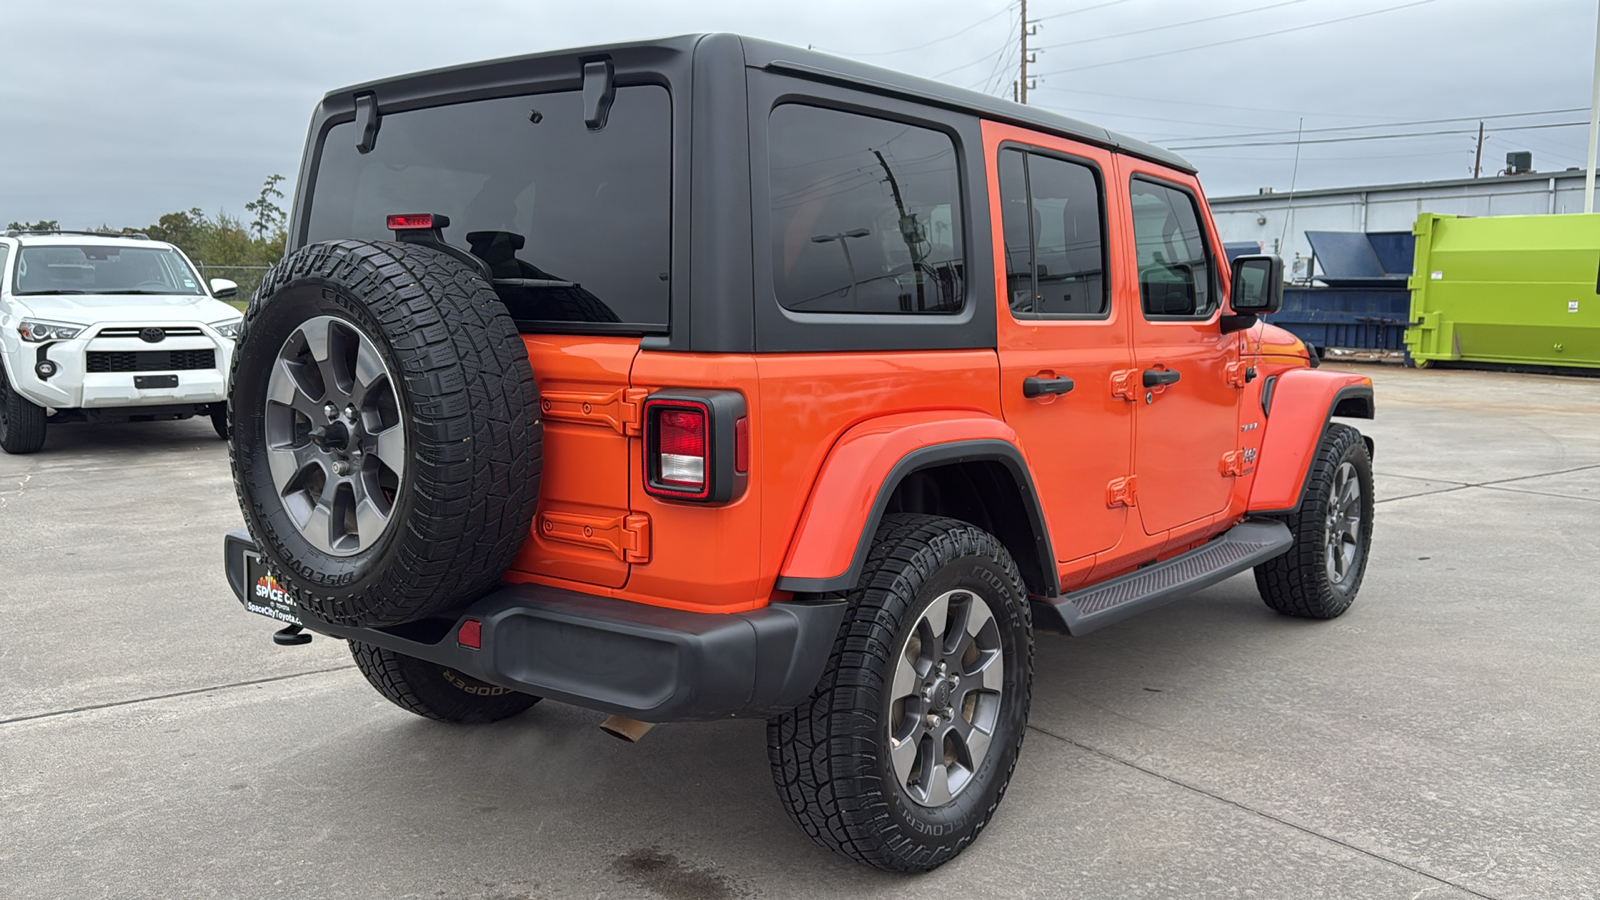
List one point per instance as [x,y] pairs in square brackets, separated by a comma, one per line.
[1437,741]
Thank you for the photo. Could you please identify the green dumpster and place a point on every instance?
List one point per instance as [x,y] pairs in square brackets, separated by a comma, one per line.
[1506,289]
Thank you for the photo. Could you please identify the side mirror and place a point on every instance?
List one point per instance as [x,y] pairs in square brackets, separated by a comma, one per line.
[1257,284]
[1257,290]
[222,288]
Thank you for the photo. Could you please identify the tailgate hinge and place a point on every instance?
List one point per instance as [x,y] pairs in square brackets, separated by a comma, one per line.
[1122,491]
[618,410]
[1125,384]
[626,536]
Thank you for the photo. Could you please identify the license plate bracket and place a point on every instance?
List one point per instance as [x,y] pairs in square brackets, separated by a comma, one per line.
[264,596]
[149,382]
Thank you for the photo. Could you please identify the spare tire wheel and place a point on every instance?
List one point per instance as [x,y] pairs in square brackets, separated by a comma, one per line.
[386,438]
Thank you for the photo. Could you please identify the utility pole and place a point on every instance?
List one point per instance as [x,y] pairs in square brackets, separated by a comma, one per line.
[1022,82]
[1477,160]
[1594,125]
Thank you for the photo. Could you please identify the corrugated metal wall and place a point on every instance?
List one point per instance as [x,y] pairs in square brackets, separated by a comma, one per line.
[1392,207]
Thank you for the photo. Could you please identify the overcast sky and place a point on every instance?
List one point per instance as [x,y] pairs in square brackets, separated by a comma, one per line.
[117,112]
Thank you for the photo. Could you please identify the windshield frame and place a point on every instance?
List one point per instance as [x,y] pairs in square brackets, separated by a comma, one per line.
[21,250]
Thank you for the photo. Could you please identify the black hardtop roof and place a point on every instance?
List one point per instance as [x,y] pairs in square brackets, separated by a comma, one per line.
[779,57]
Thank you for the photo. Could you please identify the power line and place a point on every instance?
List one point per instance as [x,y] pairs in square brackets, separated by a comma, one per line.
[1543,112]
[954,34]
[1112,37]
[1248,37]
[1073,12]
[1374,137]
[1004,48]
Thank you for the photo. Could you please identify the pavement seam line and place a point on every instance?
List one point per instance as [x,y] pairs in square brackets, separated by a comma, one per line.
[1265,815]
[188,693]
[1512,490]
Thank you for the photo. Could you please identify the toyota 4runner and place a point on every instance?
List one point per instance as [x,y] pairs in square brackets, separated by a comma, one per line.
[708,377]
[107,328]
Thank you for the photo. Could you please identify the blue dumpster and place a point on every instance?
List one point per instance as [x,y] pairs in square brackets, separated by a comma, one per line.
[1363,302]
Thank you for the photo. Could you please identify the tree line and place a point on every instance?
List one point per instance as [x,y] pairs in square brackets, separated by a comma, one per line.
[227,246]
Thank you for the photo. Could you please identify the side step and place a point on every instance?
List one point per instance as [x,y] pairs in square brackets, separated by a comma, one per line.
[1237,549]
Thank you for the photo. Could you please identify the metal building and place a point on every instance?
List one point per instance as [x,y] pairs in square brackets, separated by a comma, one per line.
[1386,207]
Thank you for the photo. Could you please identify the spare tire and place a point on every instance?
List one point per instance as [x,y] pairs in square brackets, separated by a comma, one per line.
[386,437]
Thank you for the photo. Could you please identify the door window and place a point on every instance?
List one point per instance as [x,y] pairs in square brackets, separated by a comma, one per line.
[1175,272]
[866,214]
[1052,215]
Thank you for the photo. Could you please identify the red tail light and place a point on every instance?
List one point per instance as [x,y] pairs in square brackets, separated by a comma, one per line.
[470,634]
[411,222]
[696,445]
[681,448]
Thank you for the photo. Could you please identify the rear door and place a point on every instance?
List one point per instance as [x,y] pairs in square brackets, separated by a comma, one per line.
[1187,409]
[1062,340]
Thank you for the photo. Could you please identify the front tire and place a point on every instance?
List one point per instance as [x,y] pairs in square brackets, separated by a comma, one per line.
[903,752]
[219,418]
[22,423]
[434,691]
[1321,573]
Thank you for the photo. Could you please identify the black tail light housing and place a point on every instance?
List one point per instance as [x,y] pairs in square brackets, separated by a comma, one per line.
[692,445]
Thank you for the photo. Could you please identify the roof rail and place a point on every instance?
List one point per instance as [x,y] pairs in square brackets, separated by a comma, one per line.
[138,236]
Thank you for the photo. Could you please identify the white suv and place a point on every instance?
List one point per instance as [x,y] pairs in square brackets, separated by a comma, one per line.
[107,328]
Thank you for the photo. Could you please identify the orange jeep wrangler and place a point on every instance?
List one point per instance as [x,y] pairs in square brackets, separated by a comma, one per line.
[709,377]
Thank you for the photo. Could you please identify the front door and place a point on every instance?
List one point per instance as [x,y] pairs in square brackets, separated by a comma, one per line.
[1187,411]
[1061,338]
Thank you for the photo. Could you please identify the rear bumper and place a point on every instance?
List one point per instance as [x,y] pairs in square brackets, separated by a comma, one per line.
[631,659]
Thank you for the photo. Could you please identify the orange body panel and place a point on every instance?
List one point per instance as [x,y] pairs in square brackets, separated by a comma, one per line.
[810,401]
[855,472]
[1301,401]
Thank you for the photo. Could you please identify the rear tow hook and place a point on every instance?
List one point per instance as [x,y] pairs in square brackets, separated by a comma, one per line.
[290,636]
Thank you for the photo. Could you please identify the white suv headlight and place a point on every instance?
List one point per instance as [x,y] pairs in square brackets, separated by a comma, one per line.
[36,331]
[228,329]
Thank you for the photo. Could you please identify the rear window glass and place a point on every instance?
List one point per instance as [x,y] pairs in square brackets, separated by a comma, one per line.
[584,215]
[866,214]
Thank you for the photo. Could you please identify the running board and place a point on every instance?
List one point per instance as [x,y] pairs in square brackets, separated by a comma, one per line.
[1237,549]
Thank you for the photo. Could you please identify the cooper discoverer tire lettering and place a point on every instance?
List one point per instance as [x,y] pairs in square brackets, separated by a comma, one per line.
[434,691]
[386,439]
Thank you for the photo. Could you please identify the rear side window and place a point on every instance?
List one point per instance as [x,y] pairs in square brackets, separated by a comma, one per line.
[1052,217]
[1175,272]
[530,190]
[866,214]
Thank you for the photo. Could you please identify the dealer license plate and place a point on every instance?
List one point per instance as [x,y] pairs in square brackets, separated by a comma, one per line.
[264,596]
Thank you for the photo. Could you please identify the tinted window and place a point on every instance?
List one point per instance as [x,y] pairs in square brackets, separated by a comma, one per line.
[1016,226]
[5,251]
[82,269]
[866,214]
[528,188]
[1051,216]
[1175,276]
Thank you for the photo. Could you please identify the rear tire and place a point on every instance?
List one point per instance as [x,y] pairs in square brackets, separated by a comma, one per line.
[22,424]
[903,752]
[1321,573]
[434,691]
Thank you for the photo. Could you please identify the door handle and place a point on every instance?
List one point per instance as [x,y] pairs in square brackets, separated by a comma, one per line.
[1158,377]
[1033,387]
